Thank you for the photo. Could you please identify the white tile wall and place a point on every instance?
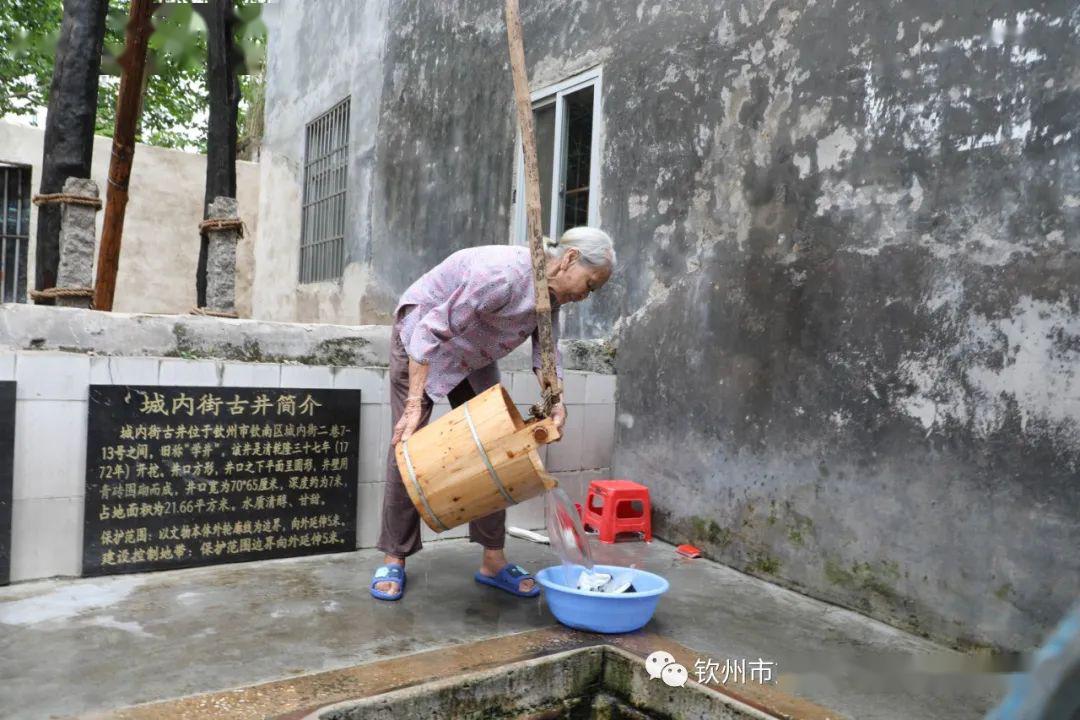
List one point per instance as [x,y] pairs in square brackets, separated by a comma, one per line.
[7,366]
[114,370]
[599,442]
[600,389]
[374,441]
[50,449]
[587,476]
[52,376]
[526,389]
[574,386]
[566,454]
[238,374]
[371,382]
[51,413]
[368,514]
[528,515]
[100,373]
[571,484]
[190,373]
[46,537]
[306,376]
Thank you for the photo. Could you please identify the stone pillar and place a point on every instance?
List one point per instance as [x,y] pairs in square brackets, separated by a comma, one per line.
[77,242]
[221,257]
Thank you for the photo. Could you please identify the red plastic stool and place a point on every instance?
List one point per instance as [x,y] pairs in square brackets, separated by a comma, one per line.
[618,506]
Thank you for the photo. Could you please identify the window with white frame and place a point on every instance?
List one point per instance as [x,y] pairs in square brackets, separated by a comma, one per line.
[567,121]
[326,162]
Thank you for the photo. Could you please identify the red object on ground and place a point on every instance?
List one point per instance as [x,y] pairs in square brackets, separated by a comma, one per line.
[580,510]
[617,506]
[688,550]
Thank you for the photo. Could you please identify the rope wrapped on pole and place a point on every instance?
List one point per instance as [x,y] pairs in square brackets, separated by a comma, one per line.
[552,392]
[50,198]
[207,312]
[58,292]
[223,224]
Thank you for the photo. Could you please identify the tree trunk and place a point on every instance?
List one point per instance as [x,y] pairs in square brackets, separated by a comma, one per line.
[223,87]
[69,124]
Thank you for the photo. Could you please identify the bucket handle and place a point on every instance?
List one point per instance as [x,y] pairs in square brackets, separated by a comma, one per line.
[525,440]
[543,431]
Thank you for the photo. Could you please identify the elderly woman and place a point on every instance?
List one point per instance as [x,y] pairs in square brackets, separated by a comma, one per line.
[452,326]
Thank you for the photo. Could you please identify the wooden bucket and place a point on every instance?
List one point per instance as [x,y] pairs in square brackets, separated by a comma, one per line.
[478,458]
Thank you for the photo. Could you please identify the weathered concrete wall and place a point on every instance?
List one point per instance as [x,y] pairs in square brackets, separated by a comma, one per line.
[315,60]
[847,308]
[161,227]
[851,308]
[431,162]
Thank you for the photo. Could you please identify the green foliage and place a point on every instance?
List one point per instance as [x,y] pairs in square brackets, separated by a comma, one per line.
[29,30]
[175,106]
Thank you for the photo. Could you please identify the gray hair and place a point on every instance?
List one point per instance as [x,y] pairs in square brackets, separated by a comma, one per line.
[593,244]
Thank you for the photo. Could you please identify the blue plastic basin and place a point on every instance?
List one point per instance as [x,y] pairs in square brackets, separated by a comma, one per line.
[601,612]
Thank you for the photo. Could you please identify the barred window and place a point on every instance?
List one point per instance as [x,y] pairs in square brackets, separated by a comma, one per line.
[14,231]
[326,161]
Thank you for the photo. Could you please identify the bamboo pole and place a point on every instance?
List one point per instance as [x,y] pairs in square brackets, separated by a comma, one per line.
[552,391]
[128,105]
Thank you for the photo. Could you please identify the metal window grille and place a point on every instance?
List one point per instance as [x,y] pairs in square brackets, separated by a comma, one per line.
[14,231]
[326,159]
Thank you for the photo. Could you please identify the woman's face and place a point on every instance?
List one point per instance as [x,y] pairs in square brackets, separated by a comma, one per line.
[572,280]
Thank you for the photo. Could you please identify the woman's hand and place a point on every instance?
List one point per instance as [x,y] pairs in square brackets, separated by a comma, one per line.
[410,417]
[558,414]
[406,425]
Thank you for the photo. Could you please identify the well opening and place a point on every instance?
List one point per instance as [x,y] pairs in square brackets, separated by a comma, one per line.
[594,683]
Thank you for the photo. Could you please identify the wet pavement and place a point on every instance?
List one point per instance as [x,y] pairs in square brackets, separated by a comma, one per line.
[70,647]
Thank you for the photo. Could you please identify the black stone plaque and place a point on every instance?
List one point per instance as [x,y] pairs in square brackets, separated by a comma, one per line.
[7,472]
[184,476]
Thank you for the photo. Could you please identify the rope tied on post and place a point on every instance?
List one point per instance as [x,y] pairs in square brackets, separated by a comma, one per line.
[223,224]
[214,313]
[50,198]
[58,292]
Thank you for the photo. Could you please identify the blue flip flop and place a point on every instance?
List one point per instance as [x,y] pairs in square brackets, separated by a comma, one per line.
[508,580]
[391,572]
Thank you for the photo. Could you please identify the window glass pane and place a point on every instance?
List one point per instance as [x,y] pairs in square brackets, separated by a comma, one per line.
[544,119]
[579,107]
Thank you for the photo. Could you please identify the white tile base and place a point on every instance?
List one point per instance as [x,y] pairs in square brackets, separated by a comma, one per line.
[50,449]
[369,501]
[46,538]
[51,414]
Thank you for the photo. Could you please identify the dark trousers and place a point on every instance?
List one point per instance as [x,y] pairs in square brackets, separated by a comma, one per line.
[400,533]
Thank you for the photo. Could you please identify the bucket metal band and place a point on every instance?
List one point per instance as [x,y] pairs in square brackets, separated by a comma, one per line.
[420,490]
[484,456]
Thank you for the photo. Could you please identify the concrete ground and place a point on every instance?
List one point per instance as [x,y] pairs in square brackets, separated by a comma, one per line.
[70,647]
